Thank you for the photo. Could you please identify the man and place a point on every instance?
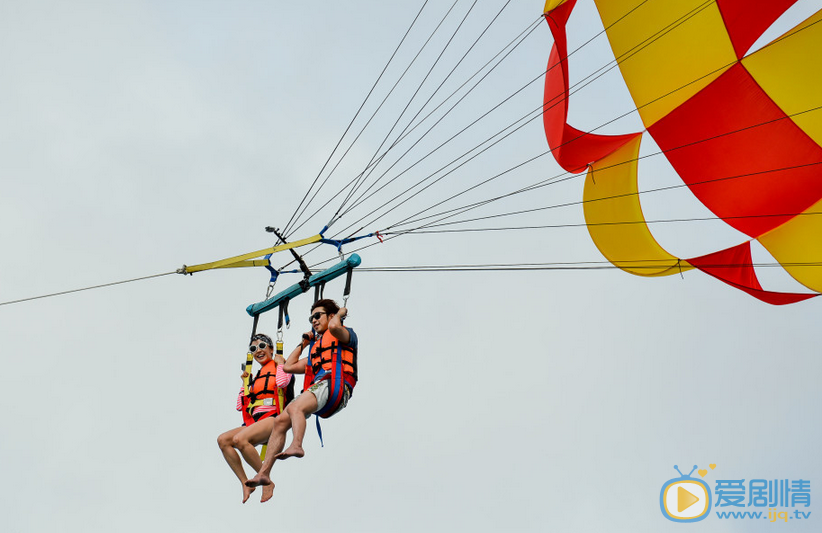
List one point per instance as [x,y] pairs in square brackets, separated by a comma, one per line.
[331,370]
[267,397]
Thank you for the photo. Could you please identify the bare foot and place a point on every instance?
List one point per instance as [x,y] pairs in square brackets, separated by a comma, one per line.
[292,451]
[259,479]
[247,492]
[268,492]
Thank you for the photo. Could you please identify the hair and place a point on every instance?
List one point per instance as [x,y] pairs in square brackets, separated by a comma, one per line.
[330,306]
[262,337]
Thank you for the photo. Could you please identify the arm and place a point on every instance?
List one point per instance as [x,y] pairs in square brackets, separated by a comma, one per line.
[241,397]
[293,364]
[337,329]
[282,378]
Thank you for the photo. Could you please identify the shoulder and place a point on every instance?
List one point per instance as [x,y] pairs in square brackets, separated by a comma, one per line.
[352,337]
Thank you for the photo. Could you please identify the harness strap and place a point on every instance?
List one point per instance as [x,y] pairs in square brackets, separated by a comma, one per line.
[348,277]
[319,431]
[336,386]
[271,270]
[280,393]
[246,412]
[339,242]
[283,314]
[279,400]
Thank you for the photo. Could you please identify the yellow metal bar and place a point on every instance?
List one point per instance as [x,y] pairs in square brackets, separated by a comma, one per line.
[231,261]
[247,380]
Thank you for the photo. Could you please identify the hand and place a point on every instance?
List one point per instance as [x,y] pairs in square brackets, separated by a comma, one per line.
[307,338]
[343,312]
[244,375]
[279,360]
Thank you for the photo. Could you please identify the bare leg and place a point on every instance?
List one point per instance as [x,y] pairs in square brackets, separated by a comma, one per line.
[225,442]
[275,445]
[277,441]
[298,411]
[244,439]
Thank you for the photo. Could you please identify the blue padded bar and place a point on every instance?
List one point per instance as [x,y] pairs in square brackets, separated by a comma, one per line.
[295,290]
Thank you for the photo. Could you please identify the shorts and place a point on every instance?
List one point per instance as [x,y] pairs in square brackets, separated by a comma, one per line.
[320,391]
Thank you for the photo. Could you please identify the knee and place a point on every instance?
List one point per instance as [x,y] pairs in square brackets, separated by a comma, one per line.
[224,440]
[238,441]
[283,422]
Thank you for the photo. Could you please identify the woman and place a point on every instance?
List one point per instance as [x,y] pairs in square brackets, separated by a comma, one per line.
[268,396]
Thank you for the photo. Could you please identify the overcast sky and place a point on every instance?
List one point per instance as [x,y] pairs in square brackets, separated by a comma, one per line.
[138,136]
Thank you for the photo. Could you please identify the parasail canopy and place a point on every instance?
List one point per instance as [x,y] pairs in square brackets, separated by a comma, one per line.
[743,132]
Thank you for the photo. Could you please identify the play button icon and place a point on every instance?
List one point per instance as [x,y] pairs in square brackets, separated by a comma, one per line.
[684,499]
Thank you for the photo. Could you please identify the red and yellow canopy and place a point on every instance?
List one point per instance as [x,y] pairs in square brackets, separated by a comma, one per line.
[743,132]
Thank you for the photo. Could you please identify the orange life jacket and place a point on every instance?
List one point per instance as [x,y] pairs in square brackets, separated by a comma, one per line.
[327,351]
[264,391]
[328,359]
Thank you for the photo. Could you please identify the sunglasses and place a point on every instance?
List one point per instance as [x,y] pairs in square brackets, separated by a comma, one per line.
[254,347]
[316,316]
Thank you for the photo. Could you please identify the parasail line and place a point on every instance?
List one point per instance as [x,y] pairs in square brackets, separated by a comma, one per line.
[537,114]
[583,265]
[390,59]
[555,180]
[364,176]
[658,35]
[577,87]
[539,77]
[582,202]
[359,200]
[362,198]
[409,231]
[586,224]
[559,178]
[430,176]
[387,95]
[405,132]
[85,288]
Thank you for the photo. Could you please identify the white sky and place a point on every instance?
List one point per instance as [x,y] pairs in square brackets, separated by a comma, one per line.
[138,136]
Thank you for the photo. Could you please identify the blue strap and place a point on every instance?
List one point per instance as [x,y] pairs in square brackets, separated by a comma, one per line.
[318,377]
[319,431]
[339,243]
[274,273]
[335,395]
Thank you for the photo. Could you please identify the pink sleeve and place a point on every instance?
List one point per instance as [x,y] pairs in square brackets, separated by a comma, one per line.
[240,399]
[282,377]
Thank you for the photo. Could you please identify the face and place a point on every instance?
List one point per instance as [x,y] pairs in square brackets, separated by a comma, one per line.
[262,356]
[319,319]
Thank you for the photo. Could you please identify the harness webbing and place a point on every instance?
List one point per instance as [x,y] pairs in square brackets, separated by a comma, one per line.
[336,379]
